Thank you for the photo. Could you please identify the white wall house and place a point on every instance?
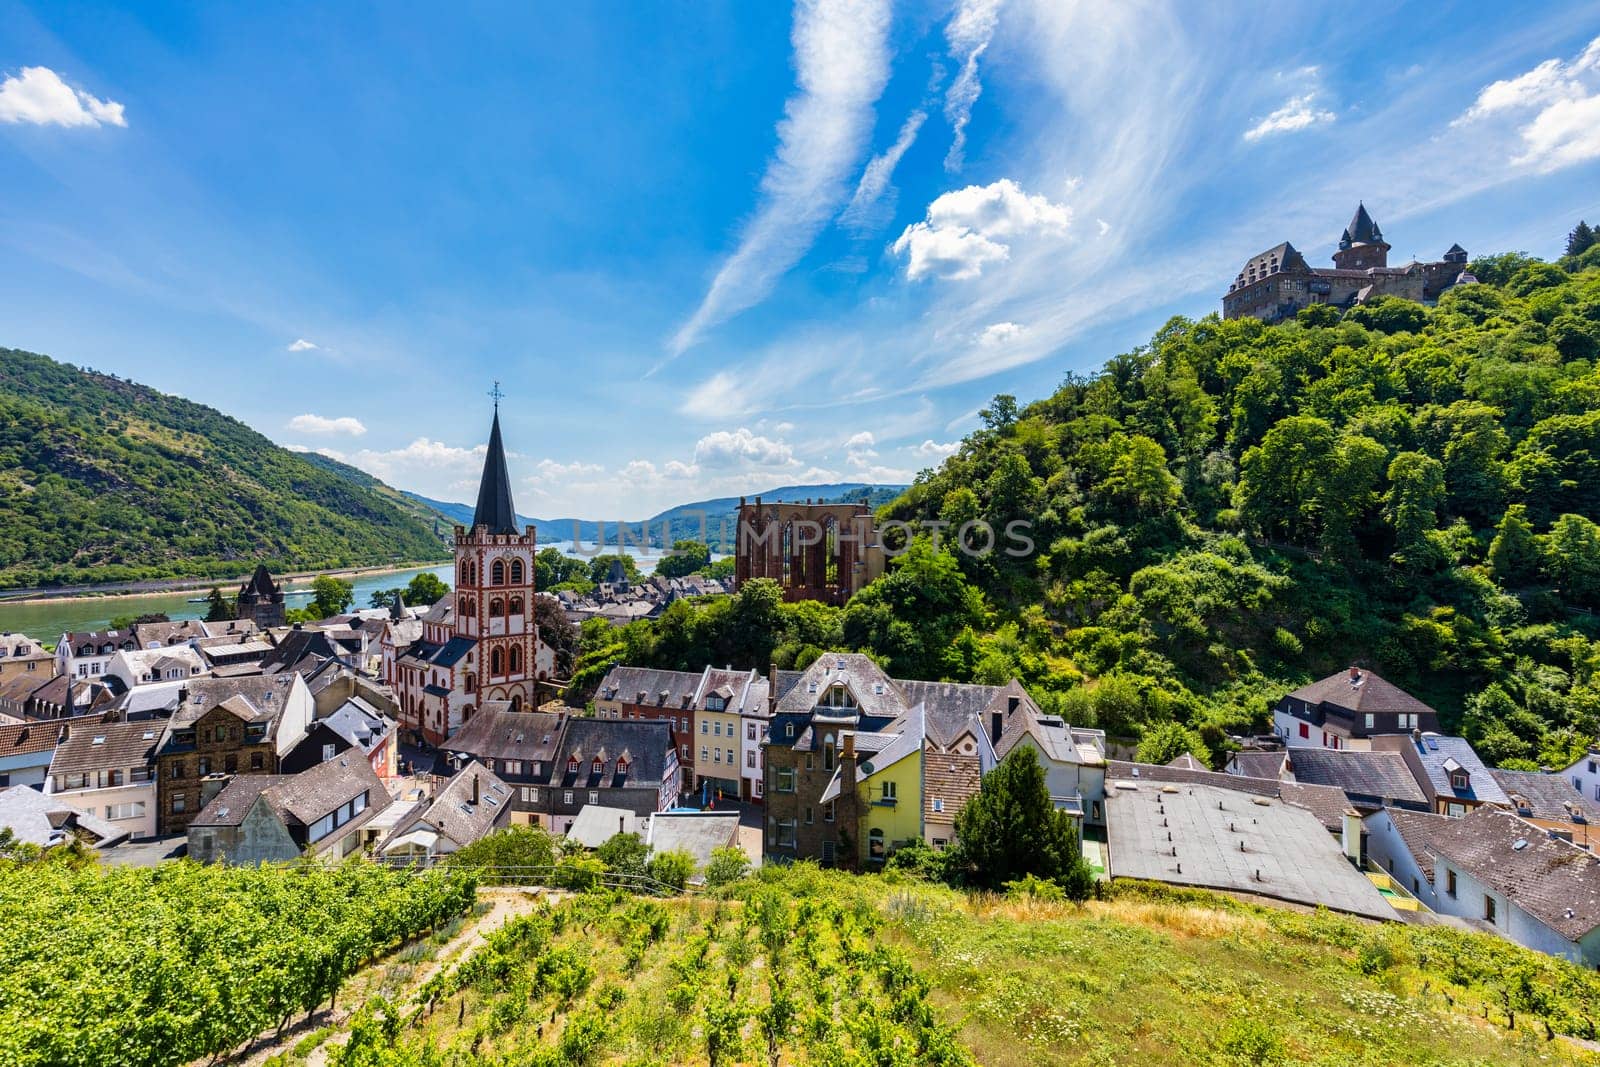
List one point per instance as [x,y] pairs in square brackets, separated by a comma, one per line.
[175,663]
[86,654]
[107,769]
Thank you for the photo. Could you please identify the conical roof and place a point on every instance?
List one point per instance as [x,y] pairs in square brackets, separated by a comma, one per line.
[1362,230]
[494,508]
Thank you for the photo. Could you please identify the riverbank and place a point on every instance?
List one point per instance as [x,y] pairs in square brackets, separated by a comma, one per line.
[160,587]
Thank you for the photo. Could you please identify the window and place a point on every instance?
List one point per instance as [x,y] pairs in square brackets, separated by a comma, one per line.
[715,703]
[827,754]
[705,726]
[1305,731]
[594,797]
[938,804]
[497,573]
[785,833]
[809,819]
[1449,882]
[683,751]
[566,797]
[704,754]
[256,761]
[750,758]
[180,803]
[758,787]
[731,759]
[511,766]
[177,770]
[516,572]
[205,766]
[1488,908]
[221,732]
[788,730]
[716,755]
[140,774]
[327,753]
[1458,780]
[827,812]
[888,790]
[530,795]
[1371,720]
[750,731]
[875,844]
[230,763]
[786,779]
[122,812]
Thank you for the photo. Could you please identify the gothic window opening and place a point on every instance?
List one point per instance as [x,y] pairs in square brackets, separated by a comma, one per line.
[497,573]
[516,572]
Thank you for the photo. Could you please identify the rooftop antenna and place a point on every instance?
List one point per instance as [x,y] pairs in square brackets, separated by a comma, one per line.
[497,395]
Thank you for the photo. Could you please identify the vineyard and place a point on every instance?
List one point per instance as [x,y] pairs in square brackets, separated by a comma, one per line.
[165,966]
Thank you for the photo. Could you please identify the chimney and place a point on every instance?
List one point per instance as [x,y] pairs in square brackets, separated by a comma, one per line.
[622,824]
[772,687]
[1416,735]
[1355,675]
[1350,836]
[474,788]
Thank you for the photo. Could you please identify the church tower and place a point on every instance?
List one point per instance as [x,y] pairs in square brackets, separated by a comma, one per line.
[1362,246]
[495,589]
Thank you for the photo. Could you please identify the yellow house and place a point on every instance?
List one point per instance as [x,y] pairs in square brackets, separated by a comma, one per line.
[884,772]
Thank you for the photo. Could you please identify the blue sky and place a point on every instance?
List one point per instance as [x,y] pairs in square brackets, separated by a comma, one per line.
[718,247]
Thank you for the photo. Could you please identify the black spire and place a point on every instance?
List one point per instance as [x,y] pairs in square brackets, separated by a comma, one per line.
[494,508]
[1362,230]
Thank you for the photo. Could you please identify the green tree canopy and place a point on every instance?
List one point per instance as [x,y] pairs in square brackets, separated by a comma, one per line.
[686,557]
[330,596]
[1010,829]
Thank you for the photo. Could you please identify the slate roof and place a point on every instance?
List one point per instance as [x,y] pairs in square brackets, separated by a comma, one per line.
[168,633]
[1279,258]
[1328,803]
[875,693]
[1256,764]
[97,746]
[645,742]
[30,737]
[1555,881]
[495,732]
[299,799]
[260,583]
[454,651]
[1383,775]
[1415,829]
[1548,796]
[37,819]
[673,690]
[452,812]
[494,509]
[1439,756]
[359,723]
[1371,694]
[76,639]
[1362,230]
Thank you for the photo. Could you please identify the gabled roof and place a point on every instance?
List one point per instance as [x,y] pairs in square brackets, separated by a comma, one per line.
[1383,775]
[1364,693]
[95,746]
[668,690]
[1415,829]
[495,510]
[1441,757]
[1257,764]
[495,732]
[646,743]
[453,813]
[36,819]
[1555,881]
[1547,796]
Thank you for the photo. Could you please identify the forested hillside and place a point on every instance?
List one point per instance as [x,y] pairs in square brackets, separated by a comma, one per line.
[106,480]
[1236,508]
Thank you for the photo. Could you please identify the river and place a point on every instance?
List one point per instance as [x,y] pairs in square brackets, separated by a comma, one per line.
[47,620]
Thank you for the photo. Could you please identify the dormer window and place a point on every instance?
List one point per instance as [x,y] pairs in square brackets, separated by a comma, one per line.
[1458,780]
[572,765]
[598,767]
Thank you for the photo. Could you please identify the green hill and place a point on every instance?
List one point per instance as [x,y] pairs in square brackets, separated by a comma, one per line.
[1236,507]
[106,480]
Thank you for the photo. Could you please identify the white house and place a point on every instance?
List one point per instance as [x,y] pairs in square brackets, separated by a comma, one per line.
[87,653]
[107,769]
[1397,840]
[1584,774]
[174,663]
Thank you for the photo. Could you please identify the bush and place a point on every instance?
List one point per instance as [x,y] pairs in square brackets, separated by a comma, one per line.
[728,865]
[672,868]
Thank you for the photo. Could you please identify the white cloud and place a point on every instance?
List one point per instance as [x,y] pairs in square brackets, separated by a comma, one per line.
[741,448]
[841,65]
[39,96]
[1103,225]
[331,453]
[959,237]
[548,470]
[968,34]
[1298,113]
[863,210]
[1000,333]
[933,450]
[864,439]
[320,424]
[1566,127]
[428,466]
[302,345]
[861,450]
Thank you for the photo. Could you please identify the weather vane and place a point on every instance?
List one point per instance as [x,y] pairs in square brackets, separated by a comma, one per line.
[497,394]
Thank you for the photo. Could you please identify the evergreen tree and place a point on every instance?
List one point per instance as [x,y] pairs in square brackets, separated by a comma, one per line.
[1514,556]
[1572,559]
[1010,829]
[1580,240]
[219,610]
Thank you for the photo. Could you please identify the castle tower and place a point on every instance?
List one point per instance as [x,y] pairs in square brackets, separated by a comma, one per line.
[261,600]
[495,589]
[1362,246]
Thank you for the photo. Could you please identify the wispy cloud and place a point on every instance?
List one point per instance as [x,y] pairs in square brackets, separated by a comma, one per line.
[39,96]
[302,345]
[968,34]
[319,424]
[841,64]
[866,207]
[1298,113]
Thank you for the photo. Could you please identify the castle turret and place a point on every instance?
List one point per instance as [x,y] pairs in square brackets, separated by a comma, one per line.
[1361,247]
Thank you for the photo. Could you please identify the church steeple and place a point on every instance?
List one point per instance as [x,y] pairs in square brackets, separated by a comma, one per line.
[494,508]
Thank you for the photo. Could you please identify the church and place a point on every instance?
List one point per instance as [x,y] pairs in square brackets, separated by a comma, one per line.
[1278,283]
[481,642]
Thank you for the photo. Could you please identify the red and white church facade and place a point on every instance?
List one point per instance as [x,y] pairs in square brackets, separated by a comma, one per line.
[480,643]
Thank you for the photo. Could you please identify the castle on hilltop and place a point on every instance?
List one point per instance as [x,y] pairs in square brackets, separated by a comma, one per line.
[1276,284]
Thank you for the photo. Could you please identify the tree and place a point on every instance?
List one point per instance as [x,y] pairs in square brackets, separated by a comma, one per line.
[686,557]
[219,610]
[330,596]
[673,868]
[1001,414]
[1166,741]
[1010,829]
[1390,314]
[557,631]
[426,588]
[1416,492]
[624,854]
[1140,483]
[600,567]
[1572,559]
[551,567]
[1514,555]
[1580,240]
[384,598]
[728,864]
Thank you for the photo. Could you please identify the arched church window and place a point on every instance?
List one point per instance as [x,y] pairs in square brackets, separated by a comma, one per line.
[516,572]
[497,573]
[497,662]
[516,660]
[497,608]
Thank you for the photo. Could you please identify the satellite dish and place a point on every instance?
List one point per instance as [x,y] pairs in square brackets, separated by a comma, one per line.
[866,768]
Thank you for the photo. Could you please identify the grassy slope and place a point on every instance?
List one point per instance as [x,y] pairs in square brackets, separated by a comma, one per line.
[1161,980]
[106,480]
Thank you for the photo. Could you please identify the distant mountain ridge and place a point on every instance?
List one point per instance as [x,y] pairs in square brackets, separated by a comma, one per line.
[682,522]
[107,480]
